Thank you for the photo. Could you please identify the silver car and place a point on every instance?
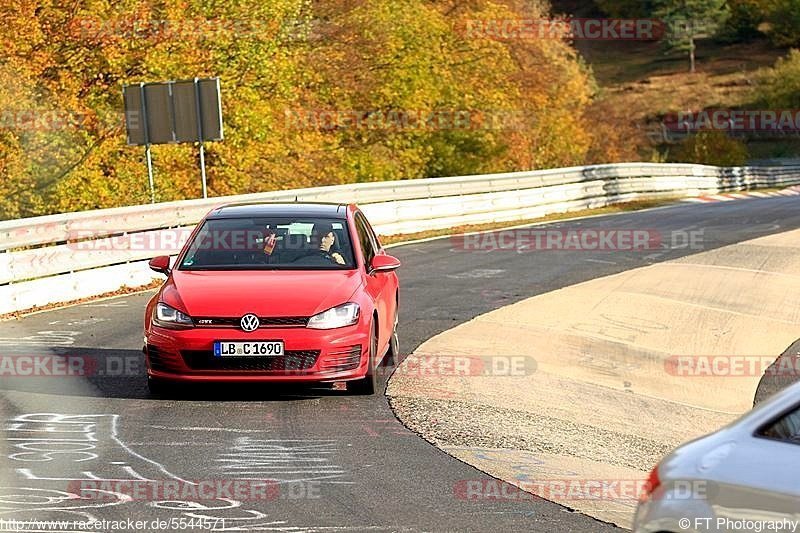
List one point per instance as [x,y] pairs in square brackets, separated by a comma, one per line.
[744,477]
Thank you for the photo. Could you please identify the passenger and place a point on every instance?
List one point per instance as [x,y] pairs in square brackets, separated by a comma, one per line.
[323,239]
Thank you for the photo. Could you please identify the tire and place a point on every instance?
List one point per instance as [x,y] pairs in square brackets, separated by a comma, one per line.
[393,355]
[156,387]
[367,385]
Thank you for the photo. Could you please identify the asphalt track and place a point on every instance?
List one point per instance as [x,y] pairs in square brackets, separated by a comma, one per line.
[340,463]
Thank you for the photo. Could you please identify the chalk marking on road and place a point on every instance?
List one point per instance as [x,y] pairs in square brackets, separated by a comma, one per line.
[283,460]
[79,322]
[43,338]
[478,273]
[190,443]
[85,435]
[199,428]
[124,446]
[82,434]
[121,303]
[63,496]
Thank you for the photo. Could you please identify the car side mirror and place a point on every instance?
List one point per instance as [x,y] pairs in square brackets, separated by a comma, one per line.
[160,264]
[384,263]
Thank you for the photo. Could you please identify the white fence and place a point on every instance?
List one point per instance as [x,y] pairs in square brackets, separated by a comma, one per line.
[41,263]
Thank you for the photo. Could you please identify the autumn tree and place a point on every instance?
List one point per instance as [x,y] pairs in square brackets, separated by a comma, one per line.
[689,20]
[314,93]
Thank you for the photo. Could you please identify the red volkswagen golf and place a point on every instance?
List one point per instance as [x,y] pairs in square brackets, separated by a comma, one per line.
[275,292]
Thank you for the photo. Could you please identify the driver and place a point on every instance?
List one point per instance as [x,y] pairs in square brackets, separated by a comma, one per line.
[322,239]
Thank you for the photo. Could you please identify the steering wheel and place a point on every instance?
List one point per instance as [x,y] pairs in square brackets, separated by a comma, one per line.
[317,257]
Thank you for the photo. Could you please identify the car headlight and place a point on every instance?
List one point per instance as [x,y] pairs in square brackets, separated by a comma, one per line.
[336,317]
[169,317]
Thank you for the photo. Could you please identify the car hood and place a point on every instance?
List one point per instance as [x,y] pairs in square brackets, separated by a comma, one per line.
[265,293]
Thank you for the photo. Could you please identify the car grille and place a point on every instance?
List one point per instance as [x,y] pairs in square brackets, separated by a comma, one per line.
[290,361]
[161,361]
[265,322]
[338,361]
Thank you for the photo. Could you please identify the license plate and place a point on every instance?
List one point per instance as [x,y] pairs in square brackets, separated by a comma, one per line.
[248,349]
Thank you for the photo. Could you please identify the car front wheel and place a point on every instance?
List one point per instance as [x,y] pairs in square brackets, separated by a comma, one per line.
[156,386]
[369,383]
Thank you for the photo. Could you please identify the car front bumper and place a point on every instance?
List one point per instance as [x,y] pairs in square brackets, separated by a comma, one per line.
[310,355]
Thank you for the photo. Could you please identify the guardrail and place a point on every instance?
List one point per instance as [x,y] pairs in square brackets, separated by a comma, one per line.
[59,258]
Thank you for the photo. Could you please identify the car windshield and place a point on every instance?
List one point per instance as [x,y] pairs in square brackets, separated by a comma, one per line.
[270,244]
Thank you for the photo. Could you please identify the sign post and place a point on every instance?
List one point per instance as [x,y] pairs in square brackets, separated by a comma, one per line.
[174,112]
[147,152]
[149,157]
[200,136]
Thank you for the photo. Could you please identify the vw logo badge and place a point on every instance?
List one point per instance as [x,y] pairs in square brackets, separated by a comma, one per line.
[249,322]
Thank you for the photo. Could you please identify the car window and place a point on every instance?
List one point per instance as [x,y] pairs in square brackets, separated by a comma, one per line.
[364,237]
[374,236]
[786,428]
[270,244]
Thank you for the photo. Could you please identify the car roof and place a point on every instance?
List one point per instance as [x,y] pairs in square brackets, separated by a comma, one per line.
[280,209]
